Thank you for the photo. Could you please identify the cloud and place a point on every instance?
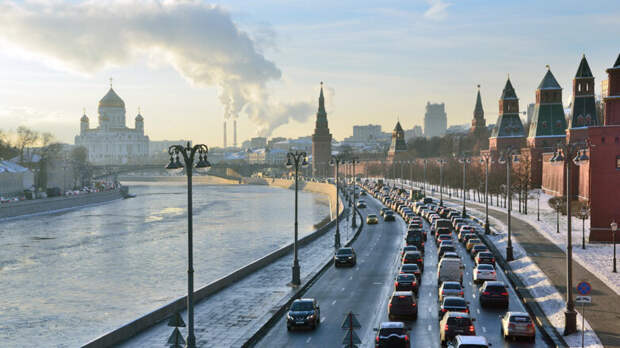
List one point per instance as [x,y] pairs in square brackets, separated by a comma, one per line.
[54,122]
[200,41]
[437,9]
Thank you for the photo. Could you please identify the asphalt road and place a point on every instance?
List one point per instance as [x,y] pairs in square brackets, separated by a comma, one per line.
[365,290]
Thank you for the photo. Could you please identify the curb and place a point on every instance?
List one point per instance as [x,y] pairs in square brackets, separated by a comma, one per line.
[250,340]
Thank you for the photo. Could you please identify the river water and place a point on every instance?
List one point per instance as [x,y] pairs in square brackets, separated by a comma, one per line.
[70,277]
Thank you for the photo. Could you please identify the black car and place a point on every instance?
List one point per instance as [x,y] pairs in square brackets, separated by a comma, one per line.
[416,240]
[485,257]
[406,282]
[403,305]
[412,268]
[383,210]
[445,248]
[452,304]
[393,335]
[413,257]
[303,312]
[345,256]
[388,216]
[455,323]
[493,293]
[361,204]
[408,248]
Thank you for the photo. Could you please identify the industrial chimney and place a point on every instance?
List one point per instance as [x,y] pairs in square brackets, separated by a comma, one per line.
[224,133]
[235,133]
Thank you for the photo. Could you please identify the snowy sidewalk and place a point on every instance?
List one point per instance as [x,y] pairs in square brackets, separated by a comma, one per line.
[229,315]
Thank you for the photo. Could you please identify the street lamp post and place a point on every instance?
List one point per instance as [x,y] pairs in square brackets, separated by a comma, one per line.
[562,156]
[353,162]
[188,153]
[336,162]
[296,159]
[424,183]
[464,160]
[557,216]
[538,205]
[402,175]
[441,163]
[485,159]
[584,215]
[411,173]
[614,227]
[508,156]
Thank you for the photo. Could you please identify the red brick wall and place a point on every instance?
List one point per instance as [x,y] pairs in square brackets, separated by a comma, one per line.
[552,176]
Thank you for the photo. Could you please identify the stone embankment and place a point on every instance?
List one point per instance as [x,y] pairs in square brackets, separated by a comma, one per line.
[55,204]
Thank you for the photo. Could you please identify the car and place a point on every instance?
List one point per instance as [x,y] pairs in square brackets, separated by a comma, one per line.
[414,257]
[453,324]
[450,269]
[445,248]
[361,204]
[493,292]
[408,248]
[383,210]
[450,289]
[452,304]
[412,268]
[389,216]
[443,237]
[442,231]
[372,219]
[517,324]
[468,236]
[471,242]
[450,255]
[440,223]
[406,282]
[303,312]
[485,257]
[477,249]
[461,236]
[363,193]
[393,335]
[469,342]
[484,272]
[402,305]
[345,256]
[415,239]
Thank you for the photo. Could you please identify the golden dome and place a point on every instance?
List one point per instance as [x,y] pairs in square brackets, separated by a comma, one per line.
[111,99]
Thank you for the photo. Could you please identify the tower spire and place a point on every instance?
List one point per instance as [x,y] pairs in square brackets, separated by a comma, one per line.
[322,101]
[110,82]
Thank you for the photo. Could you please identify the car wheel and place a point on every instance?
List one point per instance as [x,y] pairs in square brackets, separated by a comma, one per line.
[318,320]
[288,328]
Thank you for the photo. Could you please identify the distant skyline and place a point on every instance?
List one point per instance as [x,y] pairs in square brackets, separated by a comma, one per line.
[187,65]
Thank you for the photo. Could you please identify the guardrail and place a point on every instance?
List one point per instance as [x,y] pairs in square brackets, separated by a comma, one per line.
[148,320]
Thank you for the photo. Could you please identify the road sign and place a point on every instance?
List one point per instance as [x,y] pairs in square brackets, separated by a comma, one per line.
[584,288]
[583,299]
[350,321]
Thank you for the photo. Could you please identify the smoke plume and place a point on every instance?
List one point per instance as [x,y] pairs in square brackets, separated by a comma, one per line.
[200,41]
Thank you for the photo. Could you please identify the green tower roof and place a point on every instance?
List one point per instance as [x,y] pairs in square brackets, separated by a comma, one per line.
[584,69]
[509,91]
[549,81]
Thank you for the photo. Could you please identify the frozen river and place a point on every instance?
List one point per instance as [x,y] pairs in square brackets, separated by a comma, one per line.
[68,278]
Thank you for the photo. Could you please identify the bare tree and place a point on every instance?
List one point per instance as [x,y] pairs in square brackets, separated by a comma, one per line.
[26,137]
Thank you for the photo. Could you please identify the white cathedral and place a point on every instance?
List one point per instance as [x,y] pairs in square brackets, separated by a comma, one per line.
[113,142]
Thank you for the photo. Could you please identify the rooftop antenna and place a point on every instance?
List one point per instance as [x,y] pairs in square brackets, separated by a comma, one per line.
[110,82]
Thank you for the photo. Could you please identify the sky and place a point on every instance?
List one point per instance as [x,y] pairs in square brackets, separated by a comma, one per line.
[188,65]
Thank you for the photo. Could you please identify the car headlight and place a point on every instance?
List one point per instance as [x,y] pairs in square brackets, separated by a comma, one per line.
[310,316]
[288,316]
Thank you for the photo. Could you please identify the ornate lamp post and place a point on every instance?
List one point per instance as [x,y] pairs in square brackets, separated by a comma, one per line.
[441,162]
[188,154]
[563,154]
[464,160]
[335,161]
[584,215]
[296,159]
[486,158]
[509,156]
[538,205]
[411,163]
[353,162]
[614,227]
[424,183]
[402,175]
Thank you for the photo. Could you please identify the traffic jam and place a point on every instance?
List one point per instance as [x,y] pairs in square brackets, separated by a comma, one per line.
[462,265]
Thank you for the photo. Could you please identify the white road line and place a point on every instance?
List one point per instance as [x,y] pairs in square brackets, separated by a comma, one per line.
[429,327]
[333,302]
[342,289]
[484,329]
[323,319]
[478,310]
[351,278]
[429,309]
[308,340]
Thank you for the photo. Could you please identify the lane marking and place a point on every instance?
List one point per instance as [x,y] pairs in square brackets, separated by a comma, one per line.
[429,309]
[429,327]
[478,310]
[351,278]
[308,340]
[342,289]
[484,329]
[323,319]
[333,302]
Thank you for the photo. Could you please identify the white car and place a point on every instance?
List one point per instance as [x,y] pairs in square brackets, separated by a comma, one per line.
[518,324]
[484,272]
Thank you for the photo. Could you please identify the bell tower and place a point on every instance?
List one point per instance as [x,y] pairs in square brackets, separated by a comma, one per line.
[321,141]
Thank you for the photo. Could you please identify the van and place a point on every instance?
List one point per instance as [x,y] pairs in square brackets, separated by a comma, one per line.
[449,269]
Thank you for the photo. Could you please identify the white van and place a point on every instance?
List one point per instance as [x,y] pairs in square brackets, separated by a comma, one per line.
[450,269]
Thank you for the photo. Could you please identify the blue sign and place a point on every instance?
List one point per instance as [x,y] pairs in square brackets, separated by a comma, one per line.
[584,288]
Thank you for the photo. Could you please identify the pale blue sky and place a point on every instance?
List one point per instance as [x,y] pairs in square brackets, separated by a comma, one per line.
[381,62]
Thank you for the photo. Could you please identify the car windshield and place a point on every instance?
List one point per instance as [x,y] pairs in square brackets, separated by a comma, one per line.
[410,267]
[401,299]
[391,331]
[473,346]
[485,267]
[454,302]
[301,306]
[495,288]
[405,277]
[519,319]
[345,252]
[485,254]
[452,286]
[459,321]
[372,215]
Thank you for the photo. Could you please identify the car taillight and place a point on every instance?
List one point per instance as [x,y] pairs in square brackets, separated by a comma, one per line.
[446,327]
[504,294]
[444,310]
[395,283]
[471,328]
[414,304]
[406,337]
[493,260]
[389,305]
[413,284]
[486,293]
[512,326]
[377,339]
[466,310]
[461,293]
[419,260]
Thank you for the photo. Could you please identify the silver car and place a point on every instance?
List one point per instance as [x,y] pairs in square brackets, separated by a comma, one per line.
[484,272]
[450,289]
[518,324]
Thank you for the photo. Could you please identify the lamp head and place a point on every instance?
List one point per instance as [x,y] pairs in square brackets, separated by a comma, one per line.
[614,226]
[304,163]
[289,163]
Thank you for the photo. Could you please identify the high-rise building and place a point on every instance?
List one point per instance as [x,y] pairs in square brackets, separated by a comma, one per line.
[435,120]
[367,133]
[321,142]
[530,113]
